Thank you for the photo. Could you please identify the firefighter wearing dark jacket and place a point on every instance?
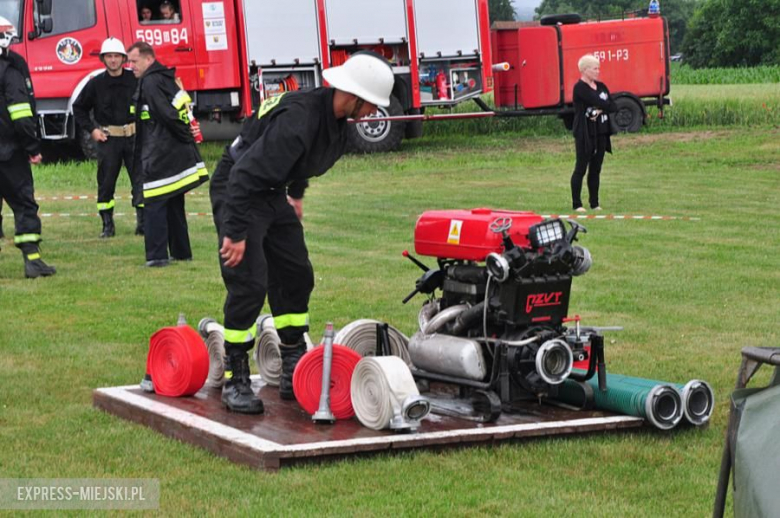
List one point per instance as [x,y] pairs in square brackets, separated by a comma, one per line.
[19,147]
[256,196]
[591,129]
[166,155]
[108,96]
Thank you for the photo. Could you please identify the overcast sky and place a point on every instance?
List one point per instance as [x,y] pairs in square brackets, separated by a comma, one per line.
[525,8]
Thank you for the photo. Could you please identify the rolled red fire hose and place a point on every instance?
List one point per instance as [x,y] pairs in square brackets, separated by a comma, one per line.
[307,380]
[178,361]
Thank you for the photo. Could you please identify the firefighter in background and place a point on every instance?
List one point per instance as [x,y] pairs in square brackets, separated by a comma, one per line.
[166,156]
[20,146]
[108,97]
[257,199]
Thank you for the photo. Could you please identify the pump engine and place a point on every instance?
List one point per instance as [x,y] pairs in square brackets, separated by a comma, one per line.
[498,327]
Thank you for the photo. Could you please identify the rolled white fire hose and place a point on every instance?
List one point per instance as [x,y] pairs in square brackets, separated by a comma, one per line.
[267,356]
[214,335]
[380,386]
[360,336]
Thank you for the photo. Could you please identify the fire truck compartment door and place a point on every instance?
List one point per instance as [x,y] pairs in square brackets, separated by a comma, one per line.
[282,33]
[364,22]
[447,29]
[540,71]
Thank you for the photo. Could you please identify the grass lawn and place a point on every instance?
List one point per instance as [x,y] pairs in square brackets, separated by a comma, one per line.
[690,295]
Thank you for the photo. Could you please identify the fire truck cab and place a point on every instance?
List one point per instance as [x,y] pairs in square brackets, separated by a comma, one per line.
[231,54]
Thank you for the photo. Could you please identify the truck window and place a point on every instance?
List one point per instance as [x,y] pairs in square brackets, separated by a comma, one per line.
[9,9]
[153,12]
[71,16]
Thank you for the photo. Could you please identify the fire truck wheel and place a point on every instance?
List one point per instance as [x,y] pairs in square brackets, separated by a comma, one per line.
[378,137]
[87,145]
[630,116]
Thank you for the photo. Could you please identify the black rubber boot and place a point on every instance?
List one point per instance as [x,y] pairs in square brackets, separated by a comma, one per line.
[139,221]
[291,355]
[237,392]
[108,223]
[34,266]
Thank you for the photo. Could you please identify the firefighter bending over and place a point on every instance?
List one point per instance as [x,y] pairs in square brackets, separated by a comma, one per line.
[20,146]
[257,199]
[109,96]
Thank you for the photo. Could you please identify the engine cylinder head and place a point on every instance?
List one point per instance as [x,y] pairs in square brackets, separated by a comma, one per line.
[582,260]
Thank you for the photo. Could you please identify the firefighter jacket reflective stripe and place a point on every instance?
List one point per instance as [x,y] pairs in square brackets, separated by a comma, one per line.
[18,123]
[165,153]
[108,98]
[292,137]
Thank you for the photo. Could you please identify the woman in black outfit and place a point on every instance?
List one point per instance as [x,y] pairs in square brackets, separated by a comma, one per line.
[591,131]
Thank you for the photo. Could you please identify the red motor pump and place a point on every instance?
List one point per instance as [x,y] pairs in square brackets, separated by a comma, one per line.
[497,329]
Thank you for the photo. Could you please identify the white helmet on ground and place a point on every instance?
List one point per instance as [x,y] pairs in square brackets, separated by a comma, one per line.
[365,75]
[113,46]
[7,33]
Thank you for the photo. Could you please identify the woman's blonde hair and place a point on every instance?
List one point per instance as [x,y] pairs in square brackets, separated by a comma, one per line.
[588,61]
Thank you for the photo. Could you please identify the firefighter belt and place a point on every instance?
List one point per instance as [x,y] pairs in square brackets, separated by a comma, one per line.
[128,130]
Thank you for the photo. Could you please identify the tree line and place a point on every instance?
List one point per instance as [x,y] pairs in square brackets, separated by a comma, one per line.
[709,33]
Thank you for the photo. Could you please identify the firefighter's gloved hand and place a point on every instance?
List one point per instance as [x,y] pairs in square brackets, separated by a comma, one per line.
[297,205]
[232,252]
[98,135]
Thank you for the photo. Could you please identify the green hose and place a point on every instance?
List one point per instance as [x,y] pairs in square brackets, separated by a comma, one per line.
[659,403]
[698,399]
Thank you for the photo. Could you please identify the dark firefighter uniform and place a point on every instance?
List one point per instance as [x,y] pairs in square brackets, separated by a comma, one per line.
[110,101]
[291,138]
[18,142]
[169,162]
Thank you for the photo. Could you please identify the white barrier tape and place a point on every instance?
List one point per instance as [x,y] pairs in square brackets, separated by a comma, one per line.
[622,217]
[79,197]
[95,214]
[360,336]
[378,388]
[607,217]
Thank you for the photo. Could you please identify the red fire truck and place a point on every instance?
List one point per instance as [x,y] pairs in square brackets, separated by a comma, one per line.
[542,65]
[232,53]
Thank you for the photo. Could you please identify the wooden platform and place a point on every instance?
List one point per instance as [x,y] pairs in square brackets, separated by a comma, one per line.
[284,434]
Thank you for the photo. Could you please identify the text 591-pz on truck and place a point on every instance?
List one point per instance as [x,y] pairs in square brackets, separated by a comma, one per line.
[230,54]
[542,65]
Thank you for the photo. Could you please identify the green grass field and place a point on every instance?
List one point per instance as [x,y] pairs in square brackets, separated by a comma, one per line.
[690,295]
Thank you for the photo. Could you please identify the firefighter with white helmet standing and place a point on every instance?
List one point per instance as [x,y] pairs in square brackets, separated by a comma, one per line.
[257,199]
[104,109]
[20,146]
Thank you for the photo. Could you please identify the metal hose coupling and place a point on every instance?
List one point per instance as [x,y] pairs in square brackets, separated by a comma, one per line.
[214,335]
[698,402]
[385,396]
[360,336]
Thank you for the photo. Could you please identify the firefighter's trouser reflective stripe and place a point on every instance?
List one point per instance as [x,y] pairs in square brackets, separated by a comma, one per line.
[276,263]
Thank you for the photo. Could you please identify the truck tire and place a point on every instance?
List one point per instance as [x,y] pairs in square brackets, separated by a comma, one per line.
[563,19]
[86,144]
[630,115]
[378,137]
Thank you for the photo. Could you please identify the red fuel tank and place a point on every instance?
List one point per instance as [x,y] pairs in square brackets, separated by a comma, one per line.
[469,234]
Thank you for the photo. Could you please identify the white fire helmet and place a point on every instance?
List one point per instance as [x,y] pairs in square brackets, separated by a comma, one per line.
[7,33]
[365,75]
[112,46]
